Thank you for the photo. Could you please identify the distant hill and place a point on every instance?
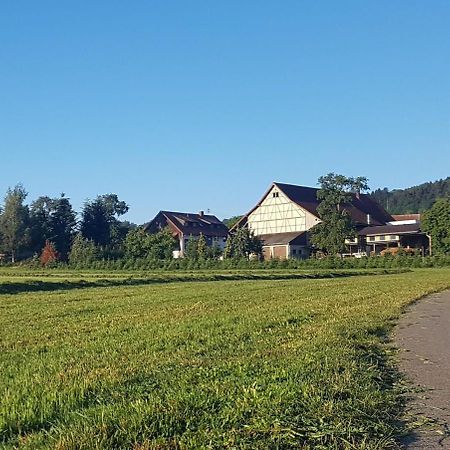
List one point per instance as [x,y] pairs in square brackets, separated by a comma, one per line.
[414,199]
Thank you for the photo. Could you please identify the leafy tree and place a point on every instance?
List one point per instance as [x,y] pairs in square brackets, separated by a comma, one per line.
[232,221]
[99,220]
[14,222]
[52,219]
[242,244]
[49,254]
[202,247]
[436,223]
[336,224]
[191,250]
[62,225]
[137,243]
[83,251]
[162,245]
[40,211]
[140,244]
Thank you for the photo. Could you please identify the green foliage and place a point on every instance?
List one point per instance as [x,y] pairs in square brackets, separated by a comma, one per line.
[140,244]
[202,247]
[99,220]
[243,244]
[436,222]
[14,222]
[83,252]
[232,221]
[336,224]
[54,220]
[242,364]
[414,199]
[137,243]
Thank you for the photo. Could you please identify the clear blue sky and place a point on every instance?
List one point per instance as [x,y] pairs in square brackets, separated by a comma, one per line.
[195,105]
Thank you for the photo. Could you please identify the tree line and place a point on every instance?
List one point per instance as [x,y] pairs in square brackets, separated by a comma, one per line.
[49,230]
[415,199]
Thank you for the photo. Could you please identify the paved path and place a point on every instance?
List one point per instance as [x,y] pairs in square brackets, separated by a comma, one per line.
[423,336]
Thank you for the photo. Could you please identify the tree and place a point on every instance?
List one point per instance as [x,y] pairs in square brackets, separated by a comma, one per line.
[202,247]
[49,254]
[40,231]
[336,191]
[52,219]
[139,244]
[62,225]
[242,244]
[14,222]
[232,221]
[436,223]
[99,221]
[162,245]
[83,251]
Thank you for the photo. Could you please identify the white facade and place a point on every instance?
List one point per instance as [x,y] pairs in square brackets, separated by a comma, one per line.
[278,214]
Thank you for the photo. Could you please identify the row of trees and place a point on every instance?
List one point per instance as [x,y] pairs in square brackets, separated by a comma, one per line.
[52,223]
[415,199]
[48,228]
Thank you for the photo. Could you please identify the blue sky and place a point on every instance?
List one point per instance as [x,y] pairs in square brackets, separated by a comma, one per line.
[200,105]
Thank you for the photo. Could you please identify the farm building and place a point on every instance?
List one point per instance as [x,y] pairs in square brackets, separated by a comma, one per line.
[188,226]
[285,213]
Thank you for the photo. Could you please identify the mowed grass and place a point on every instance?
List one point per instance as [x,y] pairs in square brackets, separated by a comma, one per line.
[298,363]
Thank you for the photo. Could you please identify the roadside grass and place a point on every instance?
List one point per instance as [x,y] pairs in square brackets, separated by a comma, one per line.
[256,364]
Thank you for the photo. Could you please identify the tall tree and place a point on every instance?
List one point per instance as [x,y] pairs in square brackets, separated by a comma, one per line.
[62,225]
[242,244]
[14,221]
[99,220]
[52,219]
[436,223]
[336,225]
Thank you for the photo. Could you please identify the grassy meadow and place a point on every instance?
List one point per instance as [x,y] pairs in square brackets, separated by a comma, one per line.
[277,360]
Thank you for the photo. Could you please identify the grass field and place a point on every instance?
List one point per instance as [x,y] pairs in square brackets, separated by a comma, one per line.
[257,364]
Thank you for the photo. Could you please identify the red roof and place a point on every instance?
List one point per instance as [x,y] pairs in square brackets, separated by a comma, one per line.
[188,224]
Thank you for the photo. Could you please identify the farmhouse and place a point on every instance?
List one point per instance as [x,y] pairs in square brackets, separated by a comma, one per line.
[187,226]
[286,212]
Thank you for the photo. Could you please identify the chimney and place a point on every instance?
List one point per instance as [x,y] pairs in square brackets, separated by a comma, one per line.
[368,219]
[201,213]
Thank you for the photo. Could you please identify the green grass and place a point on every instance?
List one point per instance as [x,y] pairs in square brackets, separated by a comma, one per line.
[266,363]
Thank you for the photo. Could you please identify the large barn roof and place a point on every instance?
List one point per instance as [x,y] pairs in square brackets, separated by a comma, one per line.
[360,207]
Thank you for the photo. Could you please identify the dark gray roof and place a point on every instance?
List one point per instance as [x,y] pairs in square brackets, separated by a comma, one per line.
[294,238]
[360,206]
[306,197]
[390,229]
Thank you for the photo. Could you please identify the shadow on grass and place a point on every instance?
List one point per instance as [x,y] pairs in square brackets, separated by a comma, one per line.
[9,287]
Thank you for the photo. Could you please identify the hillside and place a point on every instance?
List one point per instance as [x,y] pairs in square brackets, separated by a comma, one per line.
[413,199]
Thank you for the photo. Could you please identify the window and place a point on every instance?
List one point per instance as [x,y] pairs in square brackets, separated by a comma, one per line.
[382,238]
[371,238]
[275,194]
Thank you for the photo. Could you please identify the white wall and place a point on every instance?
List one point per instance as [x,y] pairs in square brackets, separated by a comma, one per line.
[278,214]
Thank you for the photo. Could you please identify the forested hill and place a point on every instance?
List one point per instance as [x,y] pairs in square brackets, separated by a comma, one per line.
[414,199]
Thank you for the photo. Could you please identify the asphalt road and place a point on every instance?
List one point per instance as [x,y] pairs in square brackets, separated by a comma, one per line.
[423,336]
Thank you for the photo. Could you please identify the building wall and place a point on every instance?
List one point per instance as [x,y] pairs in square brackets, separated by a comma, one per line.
[278,214]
